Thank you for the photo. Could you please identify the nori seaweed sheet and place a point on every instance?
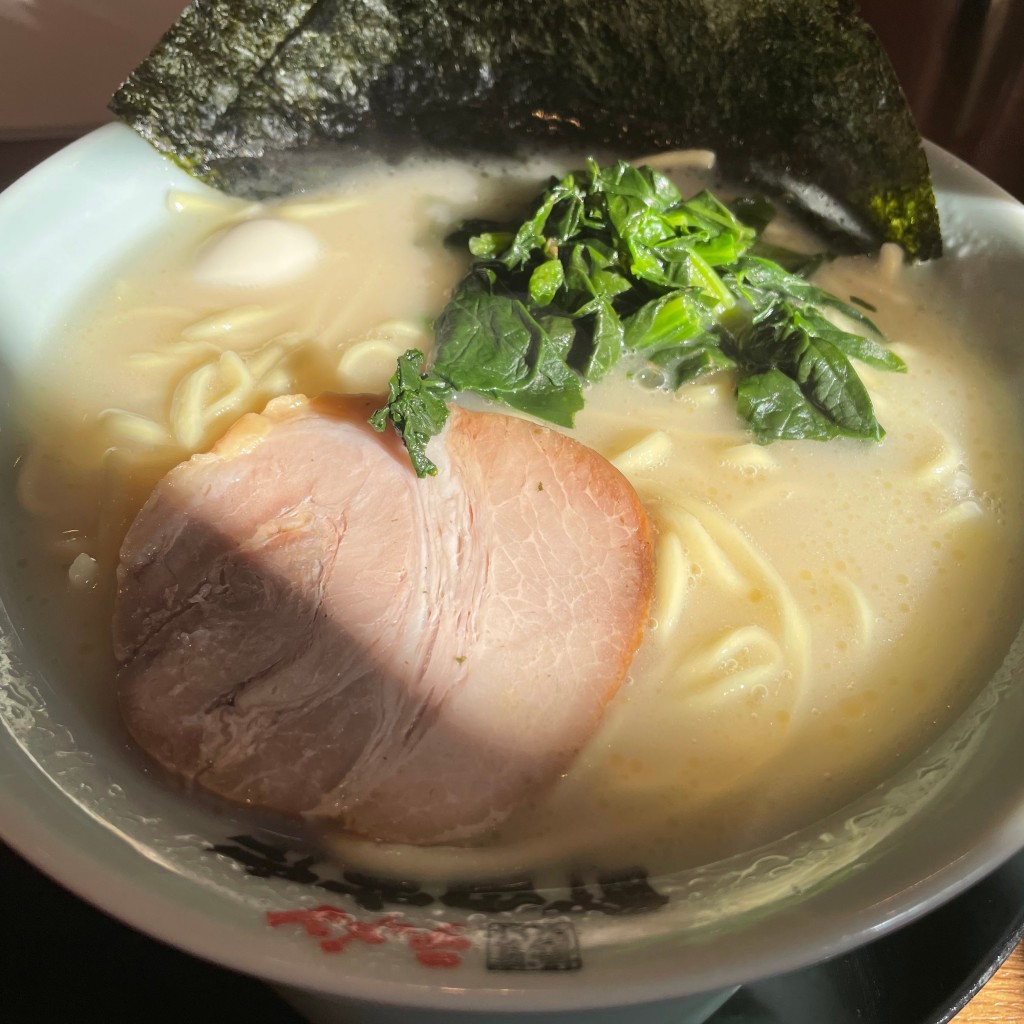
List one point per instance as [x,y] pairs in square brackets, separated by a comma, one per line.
[795,96]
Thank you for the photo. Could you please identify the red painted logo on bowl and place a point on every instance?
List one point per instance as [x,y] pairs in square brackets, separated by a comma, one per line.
[336,929]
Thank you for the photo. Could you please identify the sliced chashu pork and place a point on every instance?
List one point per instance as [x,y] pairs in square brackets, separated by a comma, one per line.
[303,625]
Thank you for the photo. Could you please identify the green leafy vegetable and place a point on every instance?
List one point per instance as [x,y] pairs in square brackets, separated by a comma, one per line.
[775,406]
[489,342]
[796,96]
[417,406]
[613,263]
[782,340]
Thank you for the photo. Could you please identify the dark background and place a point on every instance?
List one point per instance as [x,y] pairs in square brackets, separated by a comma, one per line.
[961,64]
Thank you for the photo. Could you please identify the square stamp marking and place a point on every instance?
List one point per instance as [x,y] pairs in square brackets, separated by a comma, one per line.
[550,945]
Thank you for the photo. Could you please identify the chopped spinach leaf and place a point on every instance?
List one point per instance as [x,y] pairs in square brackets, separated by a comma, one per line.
[776,409]
[417,405]
[488,341]
[783,341]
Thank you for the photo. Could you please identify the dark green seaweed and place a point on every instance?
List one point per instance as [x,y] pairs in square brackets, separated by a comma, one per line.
[794,95]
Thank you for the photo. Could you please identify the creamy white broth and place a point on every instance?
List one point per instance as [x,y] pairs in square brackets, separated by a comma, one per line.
[822,610]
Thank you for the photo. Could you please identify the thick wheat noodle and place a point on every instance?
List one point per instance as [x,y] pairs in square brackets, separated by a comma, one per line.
[708,666]
[749,456]
[187,405]
[307,209]
[242,326]
[729,558]
[703,549]
[671,584]
[648,453]
[962,512]
[864,611]
[208,201]
[131,428]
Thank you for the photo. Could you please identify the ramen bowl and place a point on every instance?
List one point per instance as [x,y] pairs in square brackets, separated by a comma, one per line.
[345,945]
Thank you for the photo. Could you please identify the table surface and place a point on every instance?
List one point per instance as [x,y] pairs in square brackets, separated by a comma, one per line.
[1001,1001]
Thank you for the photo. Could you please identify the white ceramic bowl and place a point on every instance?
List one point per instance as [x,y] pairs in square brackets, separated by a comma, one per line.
[74,801]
